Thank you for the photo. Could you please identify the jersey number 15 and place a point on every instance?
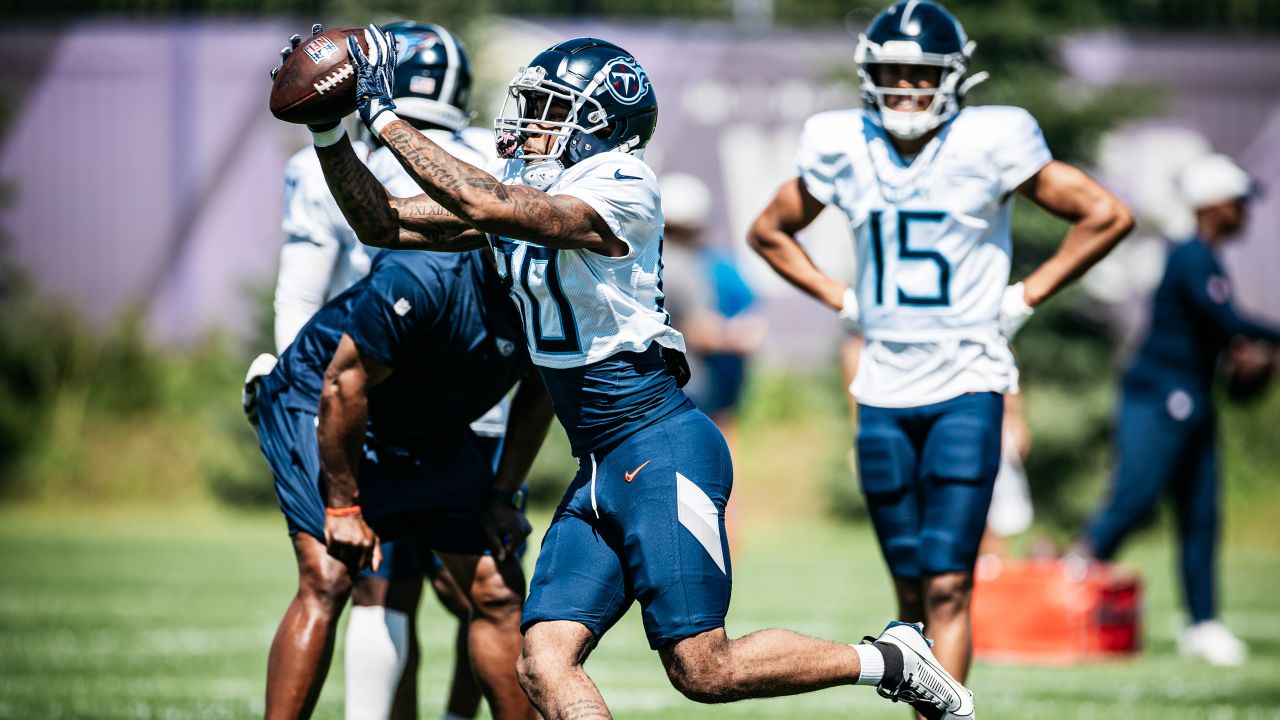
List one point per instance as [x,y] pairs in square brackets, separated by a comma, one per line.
[906,253]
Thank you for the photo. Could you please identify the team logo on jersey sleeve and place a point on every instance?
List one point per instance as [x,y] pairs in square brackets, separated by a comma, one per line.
[627,81]
[1219,289]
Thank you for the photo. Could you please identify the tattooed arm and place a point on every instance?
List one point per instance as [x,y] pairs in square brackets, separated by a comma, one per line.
[554,221]
[385,221]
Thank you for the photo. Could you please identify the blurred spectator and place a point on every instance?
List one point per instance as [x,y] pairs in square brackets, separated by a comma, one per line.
[1165,434]
[709,302]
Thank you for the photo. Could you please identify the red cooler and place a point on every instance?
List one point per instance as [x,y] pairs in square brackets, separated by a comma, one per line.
[1055,611]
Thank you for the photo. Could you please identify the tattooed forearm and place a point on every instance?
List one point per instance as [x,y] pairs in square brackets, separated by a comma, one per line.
[440,240]
[381,220]
[585,710]
[359,194]
[438,173]
[489,206]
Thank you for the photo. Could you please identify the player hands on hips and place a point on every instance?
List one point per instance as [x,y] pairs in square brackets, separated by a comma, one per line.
[575,223]
[926,185]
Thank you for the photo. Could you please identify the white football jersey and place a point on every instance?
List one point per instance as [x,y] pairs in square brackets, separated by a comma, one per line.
[321,256]
[932,244]
[580,307]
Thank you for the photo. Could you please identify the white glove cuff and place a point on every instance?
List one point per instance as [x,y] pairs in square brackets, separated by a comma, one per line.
[850,314]
[1014,310]
[325,138]
[384,118]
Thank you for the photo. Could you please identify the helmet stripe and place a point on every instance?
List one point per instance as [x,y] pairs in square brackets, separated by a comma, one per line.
[905,21]
[451,69]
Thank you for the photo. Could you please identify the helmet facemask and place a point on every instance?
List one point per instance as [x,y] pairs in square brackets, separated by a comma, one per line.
[527,109]
[946,97]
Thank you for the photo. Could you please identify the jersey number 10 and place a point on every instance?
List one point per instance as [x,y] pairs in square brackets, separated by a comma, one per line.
[540,278]
[908,254]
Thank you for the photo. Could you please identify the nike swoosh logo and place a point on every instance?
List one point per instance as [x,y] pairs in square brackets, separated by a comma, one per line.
[617,175]
[632,475]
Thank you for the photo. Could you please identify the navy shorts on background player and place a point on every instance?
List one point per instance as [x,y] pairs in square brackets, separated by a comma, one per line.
[928,473]
[287,436]
[643,520]
[415,504]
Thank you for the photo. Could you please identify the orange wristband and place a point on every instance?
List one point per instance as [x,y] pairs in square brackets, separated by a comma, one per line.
[343,512]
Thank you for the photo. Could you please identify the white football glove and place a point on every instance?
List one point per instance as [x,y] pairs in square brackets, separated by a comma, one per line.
[375,76]
[1014,310]
[259,368]
[850,315]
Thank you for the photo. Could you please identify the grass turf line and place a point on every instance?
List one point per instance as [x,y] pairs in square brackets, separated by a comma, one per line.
[157,615]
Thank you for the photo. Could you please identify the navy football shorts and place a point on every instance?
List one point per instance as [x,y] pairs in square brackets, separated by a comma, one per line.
[927,473]
[414,505]
[642,521]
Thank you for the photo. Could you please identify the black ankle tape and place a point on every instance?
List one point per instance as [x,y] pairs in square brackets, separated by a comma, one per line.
[892,663]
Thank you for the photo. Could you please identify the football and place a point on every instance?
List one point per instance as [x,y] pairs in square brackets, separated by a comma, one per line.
[317,82]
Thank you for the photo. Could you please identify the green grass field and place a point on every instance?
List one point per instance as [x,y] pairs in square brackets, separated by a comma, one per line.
[168,614]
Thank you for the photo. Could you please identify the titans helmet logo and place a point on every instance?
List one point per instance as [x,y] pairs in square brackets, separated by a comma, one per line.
[627,81]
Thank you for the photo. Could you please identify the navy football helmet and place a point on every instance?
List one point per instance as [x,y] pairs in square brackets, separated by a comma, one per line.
[915,32]
[433,75]
[611,103]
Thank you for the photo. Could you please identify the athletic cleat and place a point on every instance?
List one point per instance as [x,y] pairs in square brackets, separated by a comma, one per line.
[1212,642]
[924,684]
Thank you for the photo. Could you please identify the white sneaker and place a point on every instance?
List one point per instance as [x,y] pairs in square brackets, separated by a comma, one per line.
[1212,642]
[925,685]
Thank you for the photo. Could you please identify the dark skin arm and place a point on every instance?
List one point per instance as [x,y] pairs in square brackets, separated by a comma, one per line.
[382,220]
[1099,221]
[506,527]
[344,404]
[773,236]
[484,203]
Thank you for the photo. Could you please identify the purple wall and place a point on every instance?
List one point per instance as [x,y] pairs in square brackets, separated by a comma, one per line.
[148,169]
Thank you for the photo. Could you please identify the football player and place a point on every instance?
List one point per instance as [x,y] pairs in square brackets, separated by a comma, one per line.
[1165,438]
[320,258]
[926,185]
[575,222]
[399,366]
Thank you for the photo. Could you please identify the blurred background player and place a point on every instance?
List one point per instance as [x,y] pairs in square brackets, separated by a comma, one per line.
[322,257]
[709,302]
[926,186]
[1166,426]
[576,226]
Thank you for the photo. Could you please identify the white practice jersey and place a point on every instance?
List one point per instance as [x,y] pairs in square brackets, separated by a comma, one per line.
[932,244]
[580,307]
[321,256]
